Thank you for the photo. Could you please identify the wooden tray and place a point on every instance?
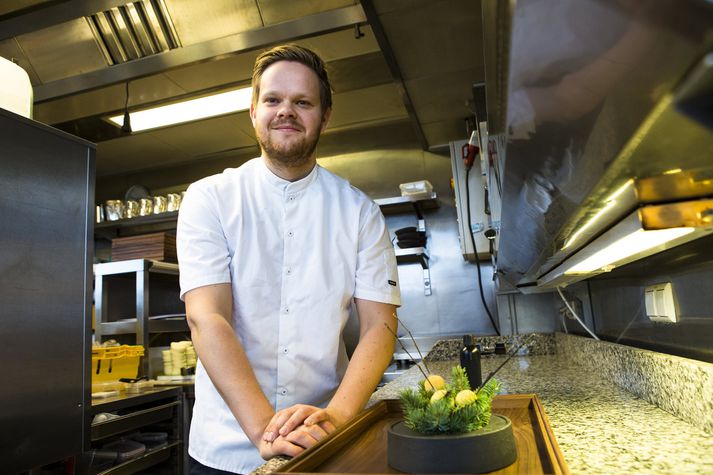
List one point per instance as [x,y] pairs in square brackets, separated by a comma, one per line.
[360,445]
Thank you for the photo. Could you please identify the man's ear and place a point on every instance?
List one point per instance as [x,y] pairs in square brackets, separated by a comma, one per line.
[252,114]
[325,119]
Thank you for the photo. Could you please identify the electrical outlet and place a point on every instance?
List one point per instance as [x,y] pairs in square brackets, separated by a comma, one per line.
[660,305]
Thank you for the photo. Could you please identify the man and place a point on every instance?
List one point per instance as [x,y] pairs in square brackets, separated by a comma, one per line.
[271,255]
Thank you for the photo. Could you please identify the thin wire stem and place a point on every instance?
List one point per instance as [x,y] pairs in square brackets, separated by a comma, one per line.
[404,348]
[414,342]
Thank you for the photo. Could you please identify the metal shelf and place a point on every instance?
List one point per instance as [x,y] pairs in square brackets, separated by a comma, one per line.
[151,407]
[139,322]
[147,460]
[135,420]
[138,225]
[128,326]
[415,254]
[167,221]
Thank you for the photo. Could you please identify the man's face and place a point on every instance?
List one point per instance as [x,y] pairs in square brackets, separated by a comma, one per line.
[288,117]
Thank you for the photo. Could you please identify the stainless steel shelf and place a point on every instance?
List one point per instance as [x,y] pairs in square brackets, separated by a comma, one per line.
[128,326]
[147,460]
[167,221]
[412,254]
[134,420]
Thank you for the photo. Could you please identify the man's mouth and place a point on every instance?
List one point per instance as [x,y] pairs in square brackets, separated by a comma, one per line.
[287,126]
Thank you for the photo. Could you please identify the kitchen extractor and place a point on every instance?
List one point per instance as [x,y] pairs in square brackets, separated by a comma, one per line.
[598,104]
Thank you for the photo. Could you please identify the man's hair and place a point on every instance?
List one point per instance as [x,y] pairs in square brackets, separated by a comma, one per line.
[292,52]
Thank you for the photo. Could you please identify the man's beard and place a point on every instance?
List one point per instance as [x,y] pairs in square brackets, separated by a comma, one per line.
[293,154]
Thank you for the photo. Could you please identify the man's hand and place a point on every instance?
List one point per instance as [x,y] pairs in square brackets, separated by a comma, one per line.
[329,416]
[294,443]
[287,420]
[279,447]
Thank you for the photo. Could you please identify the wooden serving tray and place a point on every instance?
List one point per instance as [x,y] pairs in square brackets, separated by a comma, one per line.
[360,445]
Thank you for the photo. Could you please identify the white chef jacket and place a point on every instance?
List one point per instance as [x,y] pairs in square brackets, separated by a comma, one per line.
[296,254]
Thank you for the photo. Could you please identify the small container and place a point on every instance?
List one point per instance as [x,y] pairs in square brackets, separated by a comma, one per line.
[125,449]
[416,189]
[152,440]
[145,206]
[132,209]
[114,210]
[470,361]
[173,202]
[160,204]
[99,215]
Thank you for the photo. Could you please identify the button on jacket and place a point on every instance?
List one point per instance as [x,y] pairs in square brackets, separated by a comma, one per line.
[296,253]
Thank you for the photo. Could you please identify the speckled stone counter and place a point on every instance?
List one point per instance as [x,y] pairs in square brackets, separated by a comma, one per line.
[600,427]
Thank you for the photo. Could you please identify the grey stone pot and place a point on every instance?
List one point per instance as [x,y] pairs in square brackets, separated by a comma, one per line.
[484,450]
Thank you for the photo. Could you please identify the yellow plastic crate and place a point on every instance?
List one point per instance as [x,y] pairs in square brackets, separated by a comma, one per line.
[114,363]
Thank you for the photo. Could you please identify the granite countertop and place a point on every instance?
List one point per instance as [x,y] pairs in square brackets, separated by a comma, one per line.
[600,427]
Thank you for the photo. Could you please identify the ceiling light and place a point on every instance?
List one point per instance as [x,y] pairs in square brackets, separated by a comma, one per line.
[189,110]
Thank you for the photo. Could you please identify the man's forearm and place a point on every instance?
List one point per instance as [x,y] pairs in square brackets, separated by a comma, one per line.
[226,363]
[366,367]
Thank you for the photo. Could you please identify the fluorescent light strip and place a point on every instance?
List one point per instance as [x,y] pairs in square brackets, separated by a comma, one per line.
[629,245]
[186,111]
[611,201]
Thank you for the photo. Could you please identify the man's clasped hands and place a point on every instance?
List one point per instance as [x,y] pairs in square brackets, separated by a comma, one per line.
[297,428]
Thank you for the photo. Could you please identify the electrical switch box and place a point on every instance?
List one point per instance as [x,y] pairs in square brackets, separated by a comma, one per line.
[660,305]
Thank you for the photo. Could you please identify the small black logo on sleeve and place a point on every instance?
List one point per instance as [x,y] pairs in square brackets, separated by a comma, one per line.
[392,282]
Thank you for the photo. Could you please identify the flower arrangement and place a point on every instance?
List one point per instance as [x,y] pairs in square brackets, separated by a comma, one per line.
[448,408]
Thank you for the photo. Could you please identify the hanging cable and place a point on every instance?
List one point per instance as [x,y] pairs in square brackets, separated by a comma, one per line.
[126,126]
[475,251]
[569,307]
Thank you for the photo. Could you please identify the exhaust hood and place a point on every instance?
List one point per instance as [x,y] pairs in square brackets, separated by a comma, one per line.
[608,133]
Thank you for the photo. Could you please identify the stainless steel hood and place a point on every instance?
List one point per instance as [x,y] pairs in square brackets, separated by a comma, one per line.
[598,94]
[402,72]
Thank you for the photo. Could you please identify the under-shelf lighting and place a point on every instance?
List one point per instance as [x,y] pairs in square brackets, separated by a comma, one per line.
[186,111]
[637,242]
[609,203]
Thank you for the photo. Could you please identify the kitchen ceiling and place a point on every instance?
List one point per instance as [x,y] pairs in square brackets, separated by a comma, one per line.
[402,71]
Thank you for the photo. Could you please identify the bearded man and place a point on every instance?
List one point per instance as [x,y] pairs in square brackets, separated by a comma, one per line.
[272,255]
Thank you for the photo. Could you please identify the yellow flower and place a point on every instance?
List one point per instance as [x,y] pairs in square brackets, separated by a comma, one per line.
[434,382]
[438,395]
[465,397]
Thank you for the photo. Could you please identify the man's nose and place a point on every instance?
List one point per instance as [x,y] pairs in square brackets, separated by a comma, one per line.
[286,110]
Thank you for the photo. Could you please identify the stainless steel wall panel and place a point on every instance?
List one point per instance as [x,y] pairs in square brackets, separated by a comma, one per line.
[589,106]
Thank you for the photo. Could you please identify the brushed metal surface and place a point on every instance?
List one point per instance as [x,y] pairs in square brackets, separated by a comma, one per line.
[47,212]
[62,51]
[591,106]
[305,26]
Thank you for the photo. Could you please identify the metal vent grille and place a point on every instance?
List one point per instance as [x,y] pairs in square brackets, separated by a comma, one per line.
[133,31]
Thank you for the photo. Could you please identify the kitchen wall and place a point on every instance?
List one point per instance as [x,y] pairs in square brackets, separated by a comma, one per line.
[617,301]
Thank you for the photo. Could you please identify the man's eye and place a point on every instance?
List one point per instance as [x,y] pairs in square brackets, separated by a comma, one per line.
[270,100]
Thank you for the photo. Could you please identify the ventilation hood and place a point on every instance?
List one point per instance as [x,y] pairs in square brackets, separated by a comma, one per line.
[402,72]
[607,131]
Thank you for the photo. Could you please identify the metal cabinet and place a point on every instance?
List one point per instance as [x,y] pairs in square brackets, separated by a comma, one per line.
[138,299]
[46,216]
[159,410]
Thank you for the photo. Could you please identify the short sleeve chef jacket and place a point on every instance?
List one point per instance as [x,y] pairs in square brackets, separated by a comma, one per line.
[296,253]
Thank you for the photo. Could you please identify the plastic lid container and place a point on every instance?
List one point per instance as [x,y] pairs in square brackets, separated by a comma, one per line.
[125,449]
[421,188]
[151,439]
